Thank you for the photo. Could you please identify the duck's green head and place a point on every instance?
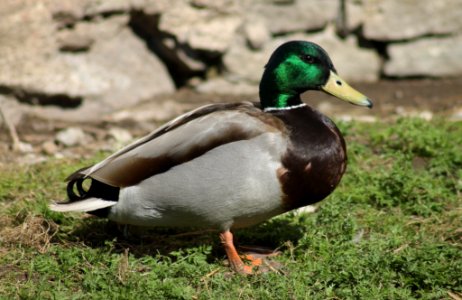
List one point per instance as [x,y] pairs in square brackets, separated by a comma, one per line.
[298,66]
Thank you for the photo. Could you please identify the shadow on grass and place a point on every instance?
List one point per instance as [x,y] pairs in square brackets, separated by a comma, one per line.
[101,233]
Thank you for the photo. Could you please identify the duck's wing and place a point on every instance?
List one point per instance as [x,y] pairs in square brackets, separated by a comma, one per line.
[183,139]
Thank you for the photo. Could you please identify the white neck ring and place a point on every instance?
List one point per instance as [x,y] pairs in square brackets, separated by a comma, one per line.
[267,109]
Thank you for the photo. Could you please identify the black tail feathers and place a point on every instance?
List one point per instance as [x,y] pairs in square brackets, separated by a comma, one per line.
[76,192]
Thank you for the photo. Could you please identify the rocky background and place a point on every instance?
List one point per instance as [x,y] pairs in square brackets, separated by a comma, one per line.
[83,60]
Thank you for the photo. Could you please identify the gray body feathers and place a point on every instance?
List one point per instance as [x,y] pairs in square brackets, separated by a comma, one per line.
[213,167]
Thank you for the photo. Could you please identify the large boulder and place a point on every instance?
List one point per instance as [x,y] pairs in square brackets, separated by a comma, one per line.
[294,16]
[244,64]
[204,30]
[201,29]
[69,12]
[387,20]
[256,32]
[99,60]
[426,57]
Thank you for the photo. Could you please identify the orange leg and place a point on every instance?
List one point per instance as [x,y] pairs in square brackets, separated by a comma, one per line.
[234,260]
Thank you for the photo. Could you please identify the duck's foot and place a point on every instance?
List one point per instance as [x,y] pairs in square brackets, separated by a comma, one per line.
[235,261]
[261,261]
[256,260]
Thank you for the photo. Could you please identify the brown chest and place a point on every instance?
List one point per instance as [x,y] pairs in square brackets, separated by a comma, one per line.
[314,162]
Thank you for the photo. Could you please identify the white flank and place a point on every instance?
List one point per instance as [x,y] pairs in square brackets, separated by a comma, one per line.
[83,205]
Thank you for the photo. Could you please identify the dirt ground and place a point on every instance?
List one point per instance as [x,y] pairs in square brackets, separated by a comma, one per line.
[426,98]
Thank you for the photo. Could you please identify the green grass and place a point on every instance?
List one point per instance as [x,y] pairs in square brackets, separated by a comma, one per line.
[391,230]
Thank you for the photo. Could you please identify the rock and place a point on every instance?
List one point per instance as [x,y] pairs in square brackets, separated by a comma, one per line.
[326,107]
[214,35]
[222,86]
[72,136]
[69,12]
[107,6]
[400,20]
[426,57]
[185,60]
[243,64]
[256,32]
[366,118]
[426,115]
[120,136]
[30,159]
[297,16]
[159,111]
[27,46]
[117,70]
[309,209]
[345,118]
[355,12]
[49,148]
[130,72]
[201,29]
[98,57]
[413,113]
[25,147]
[222,6]
[83,34]
[12,110]
[65,13]
[109,80]
[73,42]
[456,115]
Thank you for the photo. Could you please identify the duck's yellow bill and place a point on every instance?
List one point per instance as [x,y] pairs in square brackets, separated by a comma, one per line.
[337,87]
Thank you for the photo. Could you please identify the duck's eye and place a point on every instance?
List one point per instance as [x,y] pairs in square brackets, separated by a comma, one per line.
[308,58]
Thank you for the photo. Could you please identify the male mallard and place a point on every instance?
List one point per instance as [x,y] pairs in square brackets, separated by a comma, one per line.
[227,166]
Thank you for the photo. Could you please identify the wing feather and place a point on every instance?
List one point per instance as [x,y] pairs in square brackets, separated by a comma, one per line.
[182,139]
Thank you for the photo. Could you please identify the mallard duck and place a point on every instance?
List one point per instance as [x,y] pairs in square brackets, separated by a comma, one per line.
[228,166]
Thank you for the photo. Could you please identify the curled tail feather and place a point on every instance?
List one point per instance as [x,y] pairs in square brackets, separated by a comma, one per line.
[95,200]
[89,205]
